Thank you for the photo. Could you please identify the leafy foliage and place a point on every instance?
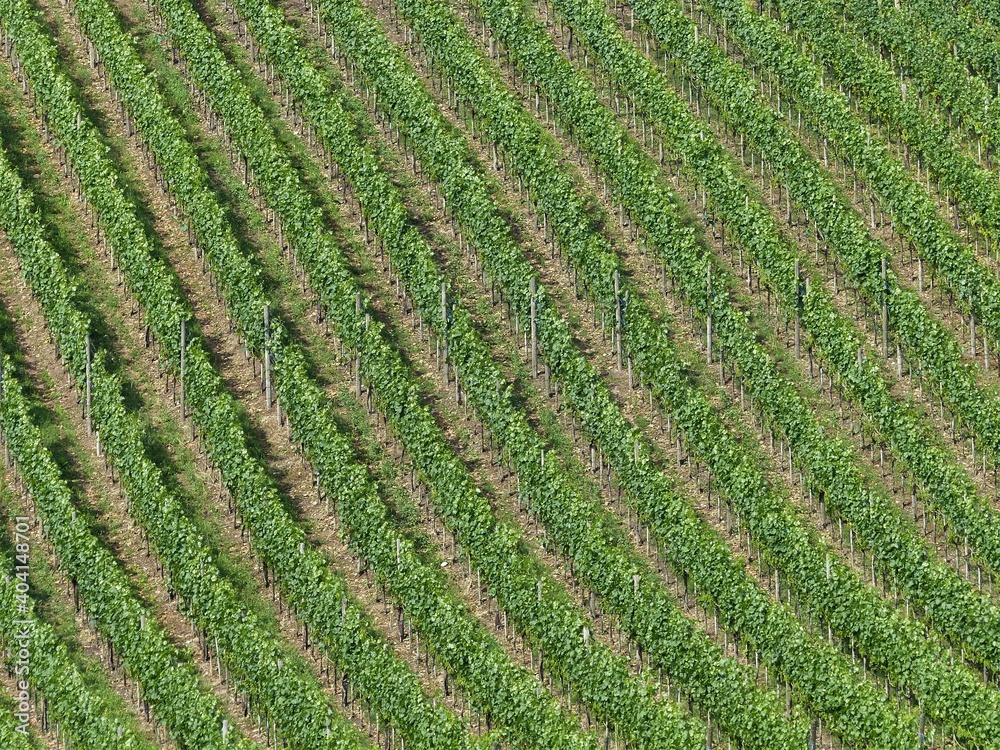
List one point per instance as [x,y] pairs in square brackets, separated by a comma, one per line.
[891,641]
[947,487]
[950,602]
[553,622]
[601,417]
[948,54]
[169,682]
[912,209]
[508,694]
[264,668]
[81,710]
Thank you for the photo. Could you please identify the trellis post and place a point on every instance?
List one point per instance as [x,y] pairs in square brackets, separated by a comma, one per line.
[618,318]
[708,320]
[183,348]
[90,421]
[534,328]
[885,307]
[444,324]
[798,310]
[357,356]
[267,354]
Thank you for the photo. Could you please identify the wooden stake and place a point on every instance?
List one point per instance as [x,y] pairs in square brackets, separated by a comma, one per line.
[267,354]
[618,318]
[798,308]
[90,422]
[357,357]
[534,328]
[183,347]
[708,321]
[444,323]
[885,308]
